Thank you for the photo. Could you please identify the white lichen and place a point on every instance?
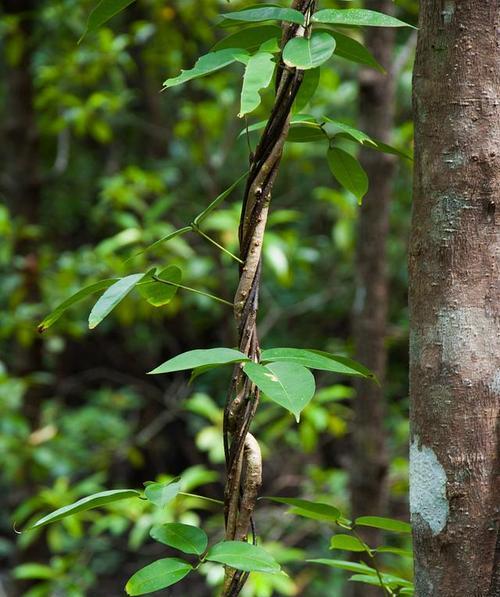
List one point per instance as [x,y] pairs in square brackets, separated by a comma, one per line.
[428,500]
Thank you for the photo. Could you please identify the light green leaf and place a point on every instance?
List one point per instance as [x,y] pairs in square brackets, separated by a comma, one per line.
[344,565]
[357,17]
[249,38]
[75,298]
[323,361]
[405,553]
[350,49]
[158,575]
[266,13]
[200,358]
[305,53]
[335,127]
[187,538]
[205,65]
[104,10]
[243,556]
[258,74]
[87,503]
[288,384]
[307,89]
[308,509]
[388,580]
[158,294]
[160,494]
[347,542]
[348,172]
[32,571]
[387,524]
[113,295]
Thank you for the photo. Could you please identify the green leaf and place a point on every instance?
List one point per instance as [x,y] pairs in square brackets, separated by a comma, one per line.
[258,74]
[306,133]
[315,360]
[205,65]
[296,119]
[218,200]
[348,363]
[335,127]
[160,494]
[388,580]
[103,12]
[305,53]
[405,553]
[187,538]
[158,294]
[357,17]
[158,575]
[308,509]
[348,172]
[307,89]
[350,49]
[165,239]
[113,295]
[249,38]
[32,571]
[243,556]
[266,13]
[77,297]
[289,385]
[387,524]
[344,565]
[87,503]
[199,358]
[347,542]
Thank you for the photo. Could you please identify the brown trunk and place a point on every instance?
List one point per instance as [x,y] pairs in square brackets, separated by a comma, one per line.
[369,466]
[455,301]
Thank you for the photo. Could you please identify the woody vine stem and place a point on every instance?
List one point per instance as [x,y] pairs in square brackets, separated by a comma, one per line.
[243,458]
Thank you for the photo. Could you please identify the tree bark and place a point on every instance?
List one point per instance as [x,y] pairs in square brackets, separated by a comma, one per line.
[376,115]
[454,301]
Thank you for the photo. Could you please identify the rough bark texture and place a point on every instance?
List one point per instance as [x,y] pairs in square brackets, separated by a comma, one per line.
[455,300]
[376,113]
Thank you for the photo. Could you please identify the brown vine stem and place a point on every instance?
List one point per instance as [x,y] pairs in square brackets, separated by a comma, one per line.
[243,458]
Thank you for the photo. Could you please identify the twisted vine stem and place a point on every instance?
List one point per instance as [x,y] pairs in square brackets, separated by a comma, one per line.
[243,458]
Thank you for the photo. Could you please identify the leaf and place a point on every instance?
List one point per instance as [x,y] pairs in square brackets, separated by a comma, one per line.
[87,503]
[160,494]
[249,38]
[258,74]
[305,53]
[306,133]
[157,293]
[205,65]
[266,13]
[336,127]
[158,575]
[165,239]
[344,565]
[387,524]
[308,509]
[75,298]
[289,385]
[104,10]
[357,17]
[243,556]
[350,49]
[218,200]
[348,172]
[296,119]
[388,580]
[32,571]
[307,89]
[347,362]
[187,538]
[347,542]
[199,358]
[405,553]
[113,295]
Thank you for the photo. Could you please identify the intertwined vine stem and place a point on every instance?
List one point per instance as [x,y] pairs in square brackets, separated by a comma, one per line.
[243,459]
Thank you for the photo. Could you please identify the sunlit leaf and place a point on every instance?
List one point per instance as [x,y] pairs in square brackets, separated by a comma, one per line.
[347,542]
[185,537]
[348,172]
[306,53]
[258,74]
[158,575]
[243,556]
[357,17]
[266,13]
[112,297]
[200,358]
[160,494]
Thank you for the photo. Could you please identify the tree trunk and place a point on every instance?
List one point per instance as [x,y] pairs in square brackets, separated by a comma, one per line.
[455,301]
[376,113]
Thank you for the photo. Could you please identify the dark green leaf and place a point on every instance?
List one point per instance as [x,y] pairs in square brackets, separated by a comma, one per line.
[306,53]
[306,133]
[200,358]
[87,503]
[347,542]
[289,385]
[344,565]
[357,17]
[158,575]
[104,10]
[249,38]
[387,524]
[160,494]
[347,362]
[78,296]
[348,172]
[352,50]
[258,74]
[185,537]
[308,509]
[307,90]
[157,293]
[405,553]
[243,556]
[266,13]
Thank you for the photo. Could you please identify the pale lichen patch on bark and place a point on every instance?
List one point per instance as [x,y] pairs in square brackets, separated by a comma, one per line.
[428,501]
